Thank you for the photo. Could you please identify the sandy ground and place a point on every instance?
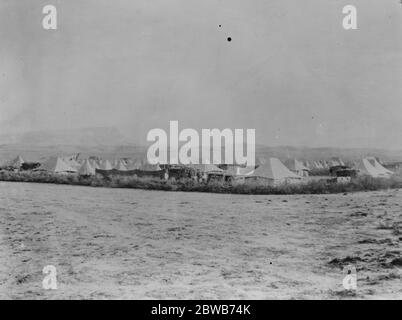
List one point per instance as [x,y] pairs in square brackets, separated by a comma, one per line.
[134,244]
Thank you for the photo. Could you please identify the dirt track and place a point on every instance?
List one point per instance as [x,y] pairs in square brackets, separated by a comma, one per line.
[133,244]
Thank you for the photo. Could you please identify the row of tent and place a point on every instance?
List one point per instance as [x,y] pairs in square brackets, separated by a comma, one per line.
[322,164]
[275,170]
[89,166]
[371,167]
[84,167]
[307,165]
[271,169]
[14,163]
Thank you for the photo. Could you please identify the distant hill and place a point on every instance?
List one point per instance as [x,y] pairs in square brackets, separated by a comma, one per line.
[102,136]
[109,143]
[325,153]
[39,153]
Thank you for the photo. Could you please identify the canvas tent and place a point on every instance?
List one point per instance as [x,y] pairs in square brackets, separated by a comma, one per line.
[297,167]
[373,161]
[105,165]
[114,163]
[134,164]
[324,164]
[56,165]
[335,161]
[121,166]
[16,163]
[71,157]
[72,163]
[274,172]
[365,168]
[318,165]
[94,163]
[307,164]
[86,169]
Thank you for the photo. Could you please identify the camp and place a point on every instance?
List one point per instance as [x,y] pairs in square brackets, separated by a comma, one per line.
[86,169]
[94,163]
[121,166]
[373,161]
[297,167]
[105,165]
[273,172]
[365,168]
[16,163]
[56,165]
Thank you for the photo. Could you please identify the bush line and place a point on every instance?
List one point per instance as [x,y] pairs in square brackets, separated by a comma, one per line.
[189,185]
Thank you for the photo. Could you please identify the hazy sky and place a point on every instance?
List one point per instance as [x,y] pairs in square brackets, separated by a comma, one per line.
[291,71]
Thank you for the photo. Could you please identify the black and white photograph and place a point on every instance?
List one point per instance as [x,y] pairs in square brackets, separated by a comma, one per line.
[200,150]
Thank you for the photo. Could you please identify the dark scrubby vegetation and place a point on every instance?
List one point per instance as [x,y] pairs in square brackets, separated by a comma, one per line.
[190,185]
[319,172]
